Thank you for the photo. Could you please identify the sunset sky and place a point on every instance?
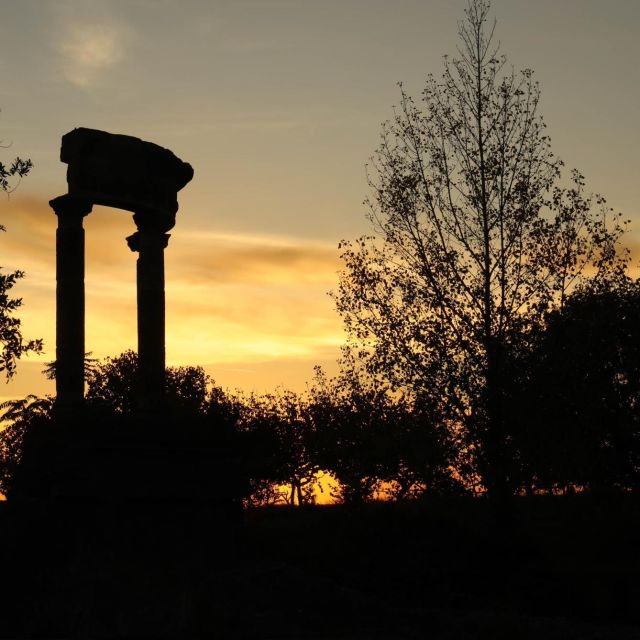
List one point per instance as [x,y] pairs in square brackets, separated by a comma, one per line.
[277,104]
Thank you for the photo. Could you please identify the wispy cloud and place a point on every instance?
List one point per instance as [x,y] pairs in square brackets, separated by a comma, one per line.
[231,297]
[268,265]
[194,257]
[234,258]
[86,51]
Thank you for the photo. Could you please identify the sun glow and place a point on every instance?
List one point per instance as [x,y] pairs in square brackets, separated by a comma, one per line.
[232,301]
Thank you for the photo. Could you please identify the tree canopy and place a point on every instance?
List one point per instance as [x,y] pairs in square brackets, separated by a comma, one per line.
[476,237]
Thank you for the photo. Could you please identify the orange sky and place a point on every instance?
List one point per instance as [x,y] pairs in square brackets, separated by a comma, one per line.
[235,304]
[277,104]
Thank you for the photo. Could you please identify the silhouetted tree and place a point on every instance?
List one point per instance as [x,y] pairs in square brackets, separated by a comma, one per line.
[475,239]
[370,440]
[187,390]
[576,415]
[196,413]
[425,455]
[350,437]
[277,432]
[12,343]
[19,416]
[111,386]
[18,169]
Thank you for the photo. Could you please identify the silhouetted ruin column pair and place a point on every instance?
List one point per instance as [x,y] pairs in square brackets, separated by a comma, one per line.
[150,243]
[127,173]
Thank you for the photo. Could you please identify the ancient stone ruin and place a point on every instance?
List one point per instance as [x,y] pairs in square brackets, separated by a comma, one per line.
[127,173]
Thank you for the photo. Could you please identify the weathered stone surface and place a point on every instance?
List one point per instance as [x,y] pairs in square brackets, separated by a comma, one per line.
[125,172]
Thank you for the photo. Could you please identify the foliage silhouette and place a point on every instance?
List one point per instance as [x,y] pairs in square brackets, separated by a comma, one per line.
[196,414]
[112,386]
[18,169]
[275,434]
[575,409]
[368,439]
[476,238]
[12,343]
[20,415]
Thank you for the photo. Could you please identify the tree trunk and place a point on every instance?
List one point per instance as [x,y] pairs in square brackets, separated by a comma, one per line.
[299,491]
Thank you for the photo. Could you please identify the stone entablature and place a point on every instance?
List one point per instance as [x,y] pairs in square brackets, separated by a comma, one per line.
[124,172]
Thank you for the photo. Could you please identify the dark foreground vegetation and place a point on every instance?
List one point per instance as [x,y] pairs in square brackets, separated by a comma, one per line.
[121,526]
[566,569]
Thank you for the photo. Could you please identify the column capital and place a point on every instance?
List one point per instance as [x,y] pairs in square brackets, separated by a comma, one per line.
[70,210]
[154,221]
[148,239]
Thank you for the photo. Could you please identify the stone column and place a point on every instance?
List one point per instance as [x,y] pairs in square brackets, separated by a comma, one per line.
[70,301]
[150,241]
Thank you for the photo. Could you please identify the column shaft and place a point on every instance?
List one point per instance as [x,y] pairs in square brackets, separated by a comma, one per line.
[70,347]
[151,317]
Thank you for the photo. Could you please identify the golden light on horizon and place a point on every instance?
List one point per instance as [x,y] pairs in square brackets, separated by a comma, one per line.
[232,300]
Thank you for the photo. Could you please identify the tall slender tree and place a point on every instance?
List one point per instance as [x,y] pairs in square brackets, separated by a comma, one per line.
[475,238]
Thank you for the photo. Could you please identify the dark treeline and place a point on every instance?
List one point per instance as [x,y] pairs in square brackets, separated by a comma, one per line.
[571,410]
[492,325]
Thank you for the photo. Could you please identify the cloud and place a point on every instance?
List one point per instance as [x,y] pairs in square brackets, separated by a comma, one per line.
[197,263]
[201,256]
[231,297]
[194,257]
[87,50]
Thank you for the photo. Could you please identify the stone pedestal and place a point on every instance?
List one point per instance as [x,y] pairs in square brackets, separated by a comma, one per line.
[70,348]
